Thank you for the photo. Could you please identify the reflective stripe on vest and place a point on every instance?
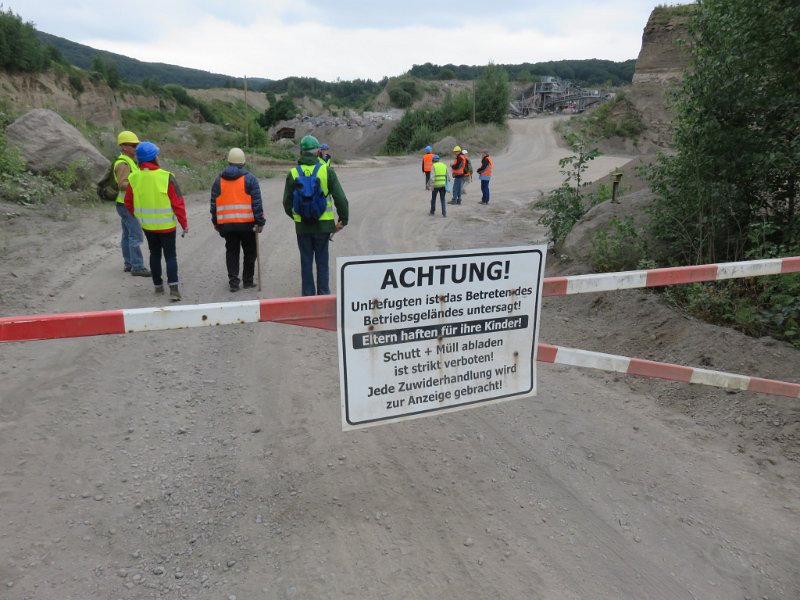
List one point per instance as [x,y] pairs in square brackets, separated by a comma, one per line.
[488,170]
[151,203]
[427,162]
[234,204]
[439,174]
[323,181]
[457,168]
[134,167]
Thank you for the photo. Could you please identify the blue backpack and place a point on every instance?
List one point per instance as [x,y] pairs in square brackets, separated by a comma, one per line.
[309,200]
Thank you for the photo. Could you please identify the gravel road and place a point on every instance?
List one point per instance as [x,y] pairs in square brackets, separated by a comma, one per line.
[210,463]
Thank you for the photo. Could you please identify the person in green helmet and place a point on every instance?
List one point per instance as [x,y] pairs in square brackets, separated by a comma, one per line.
[314,234]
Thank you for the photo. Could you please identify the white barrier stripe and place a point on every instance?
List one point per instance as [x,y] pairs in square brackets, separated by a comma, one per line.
[670,372]
[592,360]
[605,282]
[754,268]
[720,379]
[199,315]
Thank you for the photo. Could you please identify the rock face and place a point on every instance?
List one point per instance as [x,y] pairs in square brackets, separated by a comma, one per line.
[49,143]
[97,104]
[349,135]
[661,63]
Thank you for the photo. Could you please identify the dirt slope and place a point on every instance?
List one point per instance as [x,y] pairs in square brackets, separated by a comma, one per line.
[211,464]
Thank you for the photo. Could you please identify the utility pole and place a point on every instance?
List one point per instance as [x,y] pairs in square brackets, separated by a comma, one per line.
[473,102]
[246,120]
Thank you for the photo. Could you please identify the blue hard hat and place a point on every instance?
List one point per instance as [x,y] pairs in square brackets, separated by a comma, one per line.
[428,148]
[146,151]
[435,157]
[323,147]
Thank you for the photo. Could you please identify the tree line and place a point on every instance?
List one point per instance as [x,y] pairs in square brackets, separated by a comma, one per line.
[588,72]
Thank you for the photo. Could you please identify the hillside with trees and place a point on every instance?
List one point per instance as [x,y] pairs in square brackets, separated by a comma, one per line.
[137,71]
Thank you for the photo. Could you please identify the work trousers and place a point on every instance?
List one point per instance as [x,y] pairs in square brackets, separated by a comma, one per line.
[162,244]
[246,241]
[440,191]
[314,250]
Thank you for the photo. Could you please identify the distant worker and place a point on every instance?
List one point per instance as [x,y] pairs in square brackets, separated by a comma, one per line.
[238,216]
[485,175]
[155,199]
[427,165]
[324,155]
[467,172]
[457,169]
[439,184]
[132,236]
[315,229]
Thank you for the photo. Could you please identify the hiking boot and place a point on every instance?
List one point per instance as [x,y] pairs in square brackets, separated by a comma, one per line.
[452,202]
[141,272]
[248,284]
[127,269]
[234,288]
[174,292]
[159,289]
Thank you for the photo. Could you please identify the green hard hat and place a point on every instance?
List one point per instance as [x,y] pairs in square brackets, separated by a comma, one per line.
[309,142]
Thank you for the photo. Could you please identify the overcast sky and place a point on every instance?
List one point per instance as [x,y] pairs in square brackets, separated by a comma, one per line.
[345,39]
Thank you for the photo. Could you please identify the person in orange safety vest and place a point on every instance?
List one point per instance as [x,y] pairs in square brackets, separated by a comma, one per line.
[485,174]
[238,216]
[427,166]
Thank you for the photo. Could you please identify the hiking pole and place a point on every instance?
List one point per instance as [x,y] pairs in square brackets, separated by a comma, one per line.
[258,256]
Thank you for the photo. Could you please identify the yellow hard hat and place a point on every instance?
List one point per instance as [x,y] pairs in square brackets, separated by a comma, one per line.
[127,137]
[457,149]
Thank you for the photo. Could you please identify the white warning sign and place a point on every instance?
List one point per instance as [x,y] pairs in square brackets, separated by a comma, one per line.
[425,334]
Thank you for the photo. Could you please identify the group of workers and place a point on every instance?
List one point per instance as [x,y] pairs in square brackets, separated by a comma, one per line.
[437,178]
[151,206]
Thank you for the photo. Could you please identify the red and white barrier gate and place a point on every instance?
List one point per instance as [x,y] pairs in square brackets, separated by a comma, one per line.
[320,312]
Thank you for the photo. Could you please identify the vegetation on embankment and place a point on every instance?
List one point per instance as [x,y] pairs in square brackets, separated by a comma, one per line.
[730,189]
[489,106]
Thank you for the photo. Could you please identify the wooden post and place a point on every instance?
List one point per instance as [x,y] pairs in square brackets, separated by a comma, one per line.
[246,118]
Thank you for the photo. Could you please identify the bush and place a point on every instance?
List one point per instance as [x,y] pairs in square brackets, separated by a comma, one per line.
[71,178]
[563,207]
[620,249]
[11,162]
[756,306]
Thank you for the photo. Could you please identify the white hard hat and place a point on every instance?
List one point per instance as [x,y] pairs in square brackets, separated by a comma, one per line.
[236,156]
[464,152]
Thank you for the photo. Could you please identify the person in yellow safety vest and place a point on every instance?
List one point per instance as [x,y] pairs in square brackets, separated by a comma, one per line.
[238,216]
[427,165]
[439,184]
[457,169]
[313,237]
[485,174]
[324,155]
[155,199]
[132,236]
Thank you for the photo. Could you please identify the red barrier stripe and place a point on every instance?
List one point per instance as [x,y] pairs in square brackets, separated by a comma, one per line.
[675,275]
[777,388]
[64,325]
[649,368]
[555,286]
[790,265]
[546,353]
[307,311]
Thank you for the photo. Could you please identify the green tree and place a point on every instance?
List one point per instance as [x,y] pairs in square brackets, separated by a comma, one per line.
[20,47]
[565,205]
[492,95]
[278,111]
[731,189]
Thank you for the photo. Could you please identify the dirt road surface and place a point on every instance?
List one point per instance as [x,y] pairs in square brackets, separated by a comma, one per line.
[210,463]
